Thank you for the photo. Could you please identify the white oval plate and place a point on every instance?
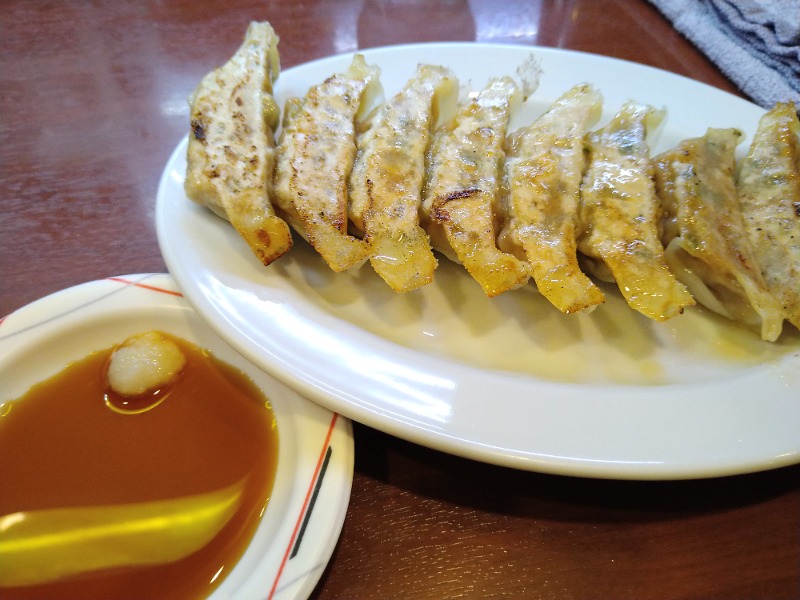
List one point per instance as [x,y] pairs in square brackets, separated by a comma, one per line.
[304,517]
[507,380]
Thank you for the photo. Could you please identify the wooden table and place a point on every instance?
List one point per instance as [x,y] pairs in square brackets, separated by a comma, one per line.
[92,102]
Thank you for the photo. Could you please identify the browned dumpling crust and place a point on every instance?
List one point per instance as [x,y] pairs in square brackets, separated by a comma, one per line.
[316,152]
[387,178]
[619,214]
[460,207]
[706,243]
[231,150]
[769,192]
[544,169]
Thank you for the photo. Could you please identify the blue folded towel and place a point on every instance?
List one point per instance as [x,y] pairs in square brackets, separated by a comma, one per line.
[755,43]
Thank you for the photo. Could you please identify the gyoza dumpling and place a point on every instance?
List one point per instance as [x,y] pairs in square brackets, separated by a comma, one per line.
[619,214]
[315,156]
[387,178]
[231,154]
[544,169]
[769,192]
[707,246]
[462,192]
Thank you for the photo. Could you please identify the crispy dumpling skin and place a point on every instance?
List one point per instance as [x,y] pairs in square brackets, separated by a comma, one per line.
[462,192]
[316,151]
[544,169]
[282,198]
[231,153]
[707,246]
[388,175]
[769,192]
[620,214]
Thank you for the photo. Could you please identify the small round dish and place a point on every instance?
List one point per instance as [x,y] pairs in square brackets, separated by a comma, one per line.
[304,517]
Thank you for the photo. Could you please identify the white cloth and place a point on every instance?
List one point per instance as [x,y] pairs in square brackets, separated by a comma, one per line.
[755,43]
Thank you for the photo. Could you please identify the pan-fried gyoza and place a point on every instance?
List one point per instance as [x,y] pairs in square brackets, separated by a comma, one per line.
[387,178]
[460,208]
[392,181]
[619,215]
[706,243]
[769,192]
[231,154]
[544,169]
[316,152]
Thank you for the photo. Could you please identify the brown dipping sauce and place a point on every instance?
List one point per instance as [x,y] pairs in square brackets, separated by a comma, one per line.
[63,447]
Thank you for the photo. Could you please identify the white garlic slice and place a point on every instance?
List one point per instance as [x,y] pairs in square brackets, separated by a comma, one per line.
[144,362]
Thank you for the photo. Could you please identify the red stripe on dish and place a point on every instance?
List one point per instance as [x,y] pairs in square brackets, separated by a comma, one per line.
[305,504]
[145,286]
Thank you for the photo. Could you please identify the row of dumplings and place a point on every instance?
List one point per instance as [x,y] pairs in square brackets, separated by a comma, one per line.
[390,181]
